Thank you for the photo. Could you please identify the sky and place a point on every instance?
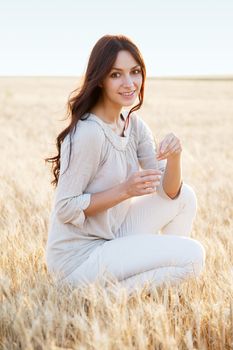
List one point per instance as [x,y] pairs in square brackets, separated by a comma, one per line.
[176,37]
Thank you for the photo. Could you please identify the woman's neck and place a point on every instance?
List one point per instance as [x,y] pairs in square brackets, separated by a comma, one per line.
[109,114]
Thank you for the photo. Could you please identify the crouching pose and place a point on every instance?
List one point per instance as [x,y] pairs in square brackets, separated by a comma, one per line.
[120,207]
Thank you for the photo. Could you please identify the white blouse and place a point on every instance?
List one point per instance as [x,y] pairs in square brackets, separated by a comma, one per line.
[100,159]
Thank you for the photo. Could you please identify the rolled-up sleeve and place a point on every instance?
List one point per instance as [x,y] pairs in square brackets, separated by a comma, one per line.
[71,199]
[146,153]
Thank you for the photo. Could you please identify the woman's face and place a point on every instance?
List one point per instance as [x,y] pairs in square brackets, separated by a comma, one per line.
[124,77]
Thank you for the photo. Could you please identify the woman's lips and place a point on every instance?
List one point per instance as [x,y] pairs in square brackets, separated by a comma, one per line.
[128,94]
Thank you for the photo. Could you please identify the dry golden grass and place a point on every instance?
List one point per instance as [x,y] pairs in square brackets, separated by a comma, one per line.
[197,314]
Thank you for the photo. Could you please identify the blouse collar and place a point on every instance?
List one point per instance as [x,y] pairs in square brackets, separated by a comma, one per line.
[119,142]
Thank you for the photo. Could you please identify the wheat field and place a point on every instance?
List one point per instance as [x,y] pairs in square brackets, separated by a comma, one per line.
[197,314]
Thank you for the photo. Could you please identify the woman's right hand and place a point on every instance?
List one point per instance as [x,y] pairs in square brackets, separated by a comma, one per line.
[142,182]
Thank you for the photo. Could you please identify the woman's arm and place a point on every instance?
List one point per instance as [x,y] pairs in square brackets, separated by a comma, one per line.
[138,184]
[166,157]
[106,199]
[71,199]
[172,179]
[170,148]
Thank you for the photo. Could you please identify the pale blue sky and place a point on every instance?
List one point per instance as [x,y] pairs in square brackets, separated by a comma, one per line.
[192,37]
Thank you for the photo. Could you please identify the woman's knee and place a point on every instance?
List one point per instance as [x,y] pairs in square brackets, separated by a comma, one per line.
[189,197]
[198,257]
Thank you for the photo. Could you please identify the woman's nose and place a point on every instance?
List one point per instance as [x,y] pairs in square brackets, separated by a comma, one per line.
[128,82]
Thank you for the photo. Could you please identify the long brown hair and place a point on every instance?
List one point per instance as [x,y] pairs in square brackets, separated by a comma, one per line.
[101,60]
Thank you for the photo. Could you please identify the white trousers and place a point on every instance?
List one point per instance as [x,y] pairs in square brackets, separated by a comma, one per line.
[153,244]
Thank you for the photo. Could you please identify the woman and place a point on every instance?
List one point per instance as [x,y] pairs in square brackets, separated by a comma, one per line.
[121,209]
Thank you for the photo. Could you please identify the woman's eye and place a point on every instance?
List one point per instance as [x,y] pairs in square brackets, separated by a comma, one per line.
[136,71]
[114,74]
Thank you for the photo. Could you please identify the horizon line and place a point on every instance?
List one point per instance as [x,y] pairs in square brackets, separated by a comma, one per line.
[162,77]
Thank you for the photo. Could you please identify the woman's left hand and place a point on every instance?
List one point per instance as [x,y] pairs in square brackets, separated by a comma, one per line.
[169,147]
